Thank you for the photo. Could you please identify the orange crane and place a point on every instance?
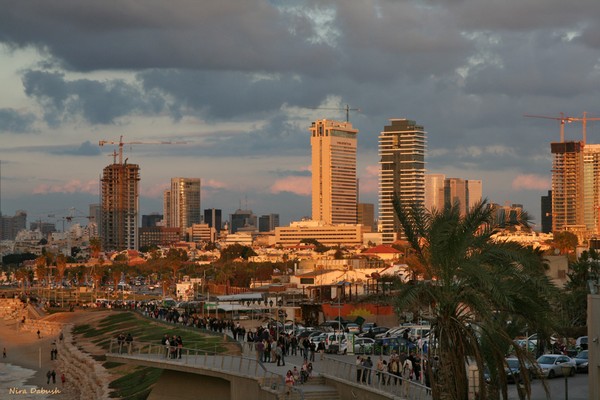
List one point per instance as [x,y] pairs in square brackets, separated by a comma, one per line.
[564,120]
[347,109]
[121,143]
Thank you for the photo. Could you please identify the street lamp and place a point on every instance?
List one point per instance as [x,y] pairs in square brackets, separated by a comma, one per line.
[566,370]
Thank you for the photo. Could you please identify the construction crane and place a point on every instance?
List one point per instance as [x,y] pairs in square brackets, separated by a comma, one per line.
[564,120]
[121,143]
[347,109]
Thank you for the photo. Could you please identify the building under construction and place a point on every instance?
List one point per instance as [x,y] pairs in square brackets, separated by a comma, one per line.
[120,205]
[567,185]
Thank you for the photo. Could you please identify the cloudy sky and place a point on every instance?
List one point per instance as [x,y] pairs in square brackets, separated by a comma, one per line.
[241,80]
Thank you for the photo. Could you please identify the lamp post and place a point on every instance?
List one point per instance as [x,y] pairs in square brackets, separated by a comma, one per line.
[566,370]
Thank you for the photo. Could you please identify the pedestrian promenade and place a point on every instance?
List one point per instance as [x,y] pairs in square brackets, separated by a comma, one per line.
[329,376]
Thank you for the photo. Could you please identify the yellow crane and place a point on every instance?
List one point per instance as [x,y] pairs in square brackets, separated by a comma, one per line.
[121,143]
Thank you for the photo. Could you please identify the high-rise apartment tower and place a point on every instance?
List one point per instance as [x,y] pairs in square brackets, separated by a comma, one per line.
[182,203]
[567,185]
[120,205]
[334,185]
[402,146]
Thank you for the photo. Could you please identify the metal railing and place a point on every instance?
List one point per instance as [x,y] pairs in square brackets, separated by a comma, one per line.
[378,380]
[227,363]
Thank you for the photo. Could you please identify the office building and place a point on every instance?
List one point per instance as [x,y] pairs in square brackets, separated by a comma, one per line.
[455,192]
[155,236]
[402,146]
[45,228]
[366,216]
[547,213]
[11,226]
[440,191]
[120,205]
[591,188]
[326,234]
[202,233]
[212,217]
[567,186]
[474,192]
[242,220]
[268,223]
[334,185]
[150,220]
[182,203]
[434,191]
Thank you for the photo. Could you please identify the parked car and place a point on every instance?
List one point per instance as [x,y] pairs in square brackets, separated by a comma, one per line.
[581,360]
[336,343]
[374,331]
[513,370]
[395,343]
[582,342]
[364,345]
[551,365]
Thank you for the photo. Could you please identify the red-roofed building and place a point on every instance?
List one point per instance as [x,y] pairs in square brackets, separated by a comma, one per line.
[384,252]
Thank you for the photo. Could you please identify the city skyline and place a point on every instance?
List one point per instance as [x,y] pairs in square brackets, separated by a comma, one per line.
[240,83]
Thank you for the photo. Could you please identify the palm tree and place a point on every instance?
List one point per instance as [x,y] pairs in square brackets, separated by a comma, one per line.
[473,285]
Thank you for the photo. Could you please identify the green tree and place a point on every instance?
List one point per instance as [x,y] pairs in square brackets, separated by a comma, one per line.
[472,285]
[565,242]
[576,289]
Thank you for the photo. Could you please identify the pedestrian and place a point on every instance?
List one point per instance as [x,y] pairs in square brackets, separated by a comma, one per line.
[289,382]
[38,333]
[279,355]
[63,378]
[321,349]
[4,353]
[53,376]
[129,341]
[60,337]
[359,368]
[48,375]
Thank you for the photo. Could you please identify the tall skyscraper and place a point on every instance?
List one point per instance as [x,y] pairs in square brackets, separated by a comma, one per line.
[212,217]
[334,185]
[567,185]
[120,205]
[591,187]
[434,191]
[474,192]
[402,146]
[182,203]
[455,191]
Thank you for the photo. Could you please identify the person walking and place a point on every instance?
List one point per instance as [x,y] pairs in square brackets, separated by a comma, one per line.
[289,382]
[48,375]
[63,378]
[4,353]
[53,376]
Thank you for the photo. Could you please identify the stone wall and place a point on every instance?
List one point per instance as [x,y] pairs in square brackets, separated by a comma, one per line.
[89,376]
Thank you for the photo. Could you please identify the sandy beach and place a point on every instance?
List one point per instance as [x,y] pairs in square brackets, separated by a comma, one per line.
[26,350]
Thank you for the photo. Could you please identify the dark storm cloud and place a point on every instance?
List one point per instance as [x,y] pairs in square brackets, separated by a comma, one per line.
[95,101]
[15,121]
[89,35]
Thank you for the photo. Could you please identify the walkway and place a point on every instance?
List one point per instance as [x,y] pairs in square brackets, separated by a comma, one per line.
[331,379]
